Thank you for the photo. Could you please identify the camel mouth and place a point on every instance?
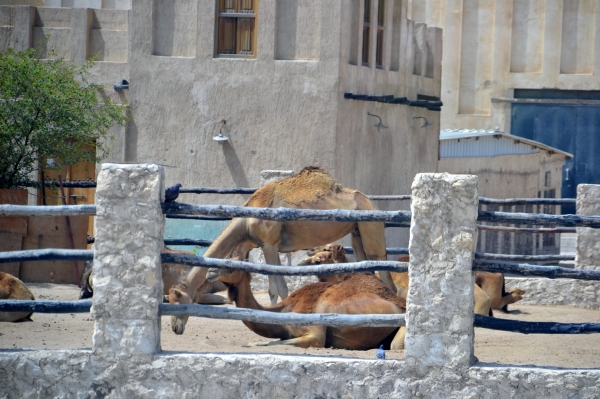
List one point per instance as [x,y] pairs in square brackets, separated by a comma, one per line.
[177,325]
[212,275]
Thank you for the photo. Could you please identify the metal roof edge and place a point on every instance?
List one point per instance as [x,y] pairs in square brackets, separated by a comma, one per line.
[469,133]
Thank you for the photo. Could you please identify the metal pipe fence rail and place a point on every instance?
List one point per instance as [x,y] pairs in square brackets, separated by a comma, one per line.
[296,319]
[83,254]
[320,319]
[337,215]
[288,214]
[241,190]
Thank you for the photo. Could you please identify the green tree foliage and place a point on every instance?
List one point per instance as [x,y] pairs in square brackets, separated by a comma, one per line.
[48,110]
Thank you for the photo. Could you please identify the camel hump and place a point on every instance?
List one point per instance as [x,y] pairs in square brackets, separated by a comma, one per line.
[308,186]
[13,288]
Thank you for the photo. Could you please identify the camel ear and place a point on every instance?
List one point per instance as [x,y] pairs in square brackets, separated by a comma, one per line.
[166,299]
[176,292]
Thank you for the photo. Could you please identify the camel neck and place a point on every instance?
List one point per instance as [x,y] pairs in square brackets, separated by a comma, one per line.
[241,295]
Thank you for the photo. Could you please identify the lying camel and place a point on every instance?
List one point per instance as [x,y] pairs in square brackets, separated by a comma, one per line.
[359,293]
[13,288]
[312,188]
[172,273]
[494,287]
[334,253]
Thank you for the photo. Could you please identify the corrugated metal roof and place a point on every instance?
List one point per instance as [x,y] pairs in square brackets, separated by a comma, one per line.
[467,143]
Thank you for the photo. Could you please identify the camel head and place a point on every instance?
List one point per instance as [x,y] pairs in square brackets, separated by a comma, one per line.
[326,254]
[319,258]
[178,296]
[332,253]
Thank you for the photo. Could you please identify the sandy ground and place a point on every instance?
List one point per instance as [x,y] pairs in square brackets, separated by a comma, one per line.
[73,331]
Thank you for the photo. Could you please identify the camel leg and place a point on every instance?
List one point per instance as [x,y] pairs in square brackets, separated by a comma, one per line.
[398,341]
[277,284]
[372,241]
[357,246]
[313,338]
[212,299]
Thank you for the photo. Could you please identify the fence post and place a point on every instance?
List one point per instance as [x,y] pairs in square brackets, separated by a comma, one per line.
[588,239]
[443,235]
[129,229]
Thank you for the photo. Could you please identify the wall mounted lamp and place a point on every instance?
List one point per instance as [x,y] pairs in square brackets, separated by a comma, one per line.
[122,86]
[220,138]
[380,126]
[426,123]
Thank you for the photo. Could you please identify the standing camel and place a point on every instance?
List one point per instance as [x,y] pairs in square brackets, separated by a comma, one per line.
[311,188]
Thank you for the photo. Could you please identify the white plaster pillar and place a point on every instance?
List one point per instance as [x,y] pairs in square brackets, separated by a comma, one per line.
[443,235]
[129,230]
[588,239]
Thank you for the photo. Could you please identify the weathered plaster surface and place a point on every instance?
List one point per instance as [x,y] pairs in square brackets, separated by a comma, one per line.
[588,240]
[128,228]
[443,234]
[567,292]
[66,374]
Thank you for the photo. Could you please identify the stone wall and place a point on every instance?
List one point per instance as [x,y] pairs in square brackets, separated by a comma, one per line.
[562,292]
[126,361]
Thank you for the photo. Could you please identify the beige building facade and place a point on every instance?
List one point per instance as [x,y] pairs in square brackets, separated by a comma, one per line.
[500,46]
[298,83]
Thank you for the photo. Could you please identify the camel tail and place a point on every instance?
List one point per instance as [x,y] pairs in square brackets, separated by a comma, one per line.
[505,308]
[234,234]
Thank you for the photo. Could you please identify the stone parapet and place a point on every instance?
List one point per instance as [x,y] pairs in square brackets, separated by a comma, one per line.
[80,374]
[565,292]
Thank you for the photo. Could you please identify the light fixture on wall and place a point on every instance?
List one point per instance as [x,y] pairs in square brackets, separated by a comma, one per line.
[121,86]
[380,126]
[426,123]
[220,138]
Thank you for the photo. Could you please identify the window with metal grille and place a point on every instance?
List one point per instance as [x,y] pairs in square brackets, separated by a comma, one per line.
[380,22]
[236,26]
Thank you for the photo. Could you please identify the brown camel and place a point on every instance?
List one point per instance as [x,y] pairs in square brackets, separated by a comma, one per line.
[494,287]
[172,273]
[13,288]
[360,293]
[312,188]
[334,253]
[325,255]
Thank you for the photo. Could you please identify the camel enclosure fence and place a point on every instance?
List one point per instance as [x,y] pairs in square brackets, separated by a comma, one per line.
[481,262]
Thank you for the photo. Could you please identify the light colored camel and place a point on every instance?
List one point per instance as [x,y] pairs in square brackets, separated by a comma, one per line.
[172,273]
[311,188]
[483,303]
[13,288]
[494,287]
[334,253]
[359,293]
